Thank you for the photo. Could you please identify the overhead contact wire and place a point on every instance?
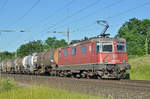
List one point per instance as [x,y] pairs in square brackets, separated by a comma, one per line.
[77,12]
[90,14]
[58,10]
[121,13]
[27,12]
[4,4]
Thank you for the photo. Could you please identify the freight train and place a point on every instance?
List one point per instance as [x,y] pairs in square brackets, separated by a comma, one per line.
[98,57]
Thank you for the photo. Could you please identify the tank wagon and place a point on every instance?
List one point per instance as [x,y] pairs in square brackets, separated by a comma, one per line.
[4,66]
[16,62]
[20,66]
[45,62]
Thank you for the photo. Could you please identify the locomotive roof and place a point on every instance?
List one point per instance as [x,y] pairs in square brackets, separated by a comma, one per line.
[110,39]
[95,39]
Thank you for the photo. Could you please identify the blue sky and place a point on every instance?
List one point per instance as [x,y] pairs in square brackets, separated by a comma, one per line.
[38,17]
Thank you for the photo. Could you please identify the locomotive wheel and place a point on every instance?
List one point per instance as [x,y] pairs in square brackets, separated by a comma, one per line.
[127,76]
[88,77]
[99,77]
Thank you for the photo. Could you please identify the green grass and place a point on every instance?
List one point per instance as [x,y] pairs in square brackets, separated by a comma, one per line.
[10,90]
[140,68]
[43,93]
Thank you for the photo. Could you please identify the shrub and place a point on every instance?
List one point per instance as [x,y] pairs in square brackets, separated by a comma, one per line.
[6,85]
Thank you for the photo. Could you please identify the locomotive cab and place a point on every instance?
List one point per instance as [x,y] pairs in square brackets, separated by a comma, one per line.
[112,53]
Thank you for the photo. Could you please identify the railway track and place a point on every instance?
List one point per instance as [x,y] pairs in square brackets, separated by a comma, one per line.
[119,89]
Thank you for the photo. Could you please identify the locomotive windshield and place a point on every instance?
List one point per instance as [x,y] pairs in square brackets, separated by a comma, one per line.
[107,47]
[121,47]
[104,47]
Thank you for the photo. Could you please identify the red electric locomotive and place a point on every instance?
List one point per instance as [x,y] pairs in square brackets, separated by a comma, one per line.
[101,57]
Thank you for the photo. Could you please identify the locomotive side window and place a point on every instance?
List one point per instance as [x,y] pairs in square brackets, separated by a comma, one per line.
[65,52]
[73,51]
[121,47]
[107,47]
[98,47]
[83,49]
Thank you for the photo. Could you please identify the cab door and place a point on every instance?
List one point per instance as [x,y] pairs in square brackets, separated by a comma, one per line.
[95,53]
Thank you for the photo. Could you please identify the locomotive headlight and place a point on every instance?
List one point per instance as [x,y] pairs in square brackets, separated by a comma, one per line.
[52,61]
[122,68]
[124,61]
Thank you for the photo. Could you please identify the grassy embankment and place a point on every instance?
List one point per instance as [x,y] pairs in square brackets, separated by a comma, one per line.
[10,90]
[140,68]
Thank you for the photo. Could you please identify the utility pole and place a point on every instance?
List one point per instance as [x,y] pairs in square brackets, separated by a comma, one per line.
[68,34]
[0,56]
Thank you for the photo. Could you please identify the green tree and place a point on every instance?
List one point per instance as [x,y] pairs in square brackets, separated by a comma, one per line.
[135,31]
[29,48]
[53,43]
[7,55]
[34,47]
[38,46]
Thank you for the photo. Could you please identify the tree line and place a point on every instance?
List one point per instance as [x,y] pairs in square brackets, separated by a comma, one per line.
[34,47]
[135,31]
[137,34]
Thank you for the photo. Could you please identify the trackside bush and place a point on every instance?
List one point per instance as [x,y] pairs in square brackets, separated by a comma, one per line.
[6,85]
